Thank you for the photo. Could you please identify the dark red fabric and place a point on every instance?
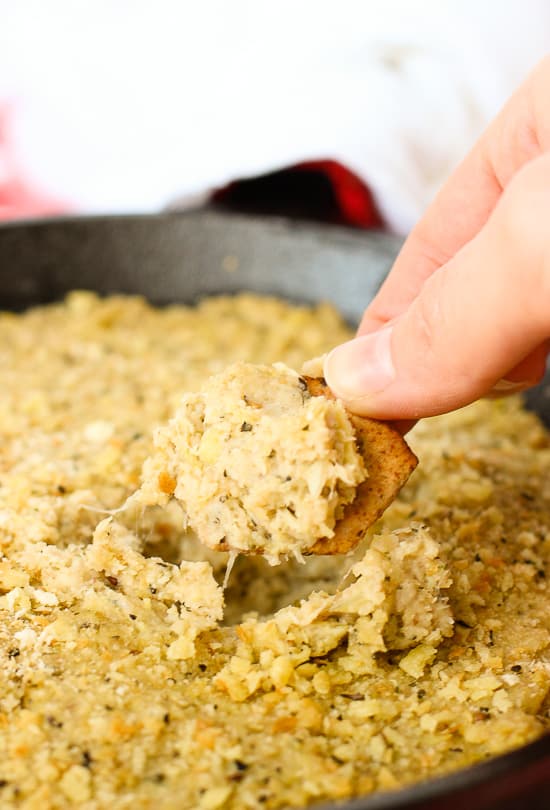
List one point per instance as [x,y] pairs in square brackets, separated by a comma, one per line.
[323,190]
[355,200]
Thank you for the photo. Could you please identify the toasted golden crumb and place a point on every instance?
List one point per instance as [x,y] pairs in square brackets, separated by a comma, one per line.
[126,681]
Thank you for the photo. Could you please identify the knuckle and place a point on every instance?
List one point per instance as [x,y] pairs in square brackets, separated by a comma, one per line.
[524,238]
[439,317]
[429,320]
[425,321]
[541,72]
[525,207]
[439,369]
[531,179]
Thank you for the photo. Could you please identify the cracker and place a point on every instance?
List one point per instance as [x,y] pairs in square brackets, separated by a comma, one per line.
[389,462]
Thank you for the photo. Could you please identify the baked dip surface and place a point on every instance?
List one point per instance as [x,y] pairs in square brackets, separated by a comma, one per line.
[126,682]
[257,463]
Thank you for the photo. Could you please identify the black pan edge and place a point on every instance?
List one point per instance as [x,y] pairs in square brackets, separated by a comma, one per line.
[519,779]
[41,260]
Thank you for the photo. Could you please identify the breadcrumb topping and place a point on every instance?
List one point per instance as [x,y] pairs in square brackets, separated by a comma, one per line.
[126,681]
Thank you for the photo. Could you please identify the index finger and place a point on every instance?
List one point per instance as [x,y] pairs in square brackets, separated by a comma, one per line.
[519,133]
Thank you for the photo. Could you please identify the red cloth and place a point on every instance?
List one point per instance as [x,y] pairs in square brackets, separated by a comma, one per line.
[322,190]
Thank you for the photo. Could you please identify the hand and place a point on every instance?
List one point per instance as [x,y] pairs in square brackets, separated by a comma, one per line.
[465,310]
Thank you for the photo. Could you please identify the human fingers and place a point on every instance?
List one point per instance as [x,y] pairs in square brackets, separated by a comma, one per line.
[520,133]
[528,372]
[475,320]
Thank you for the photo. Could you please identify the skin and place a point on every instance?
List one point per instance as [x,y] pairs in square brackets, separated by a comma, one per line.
[465,311]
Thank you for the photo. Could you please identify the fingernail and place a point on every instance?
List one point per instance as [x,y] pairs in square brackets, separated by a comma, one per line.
[505,386]
[361,367]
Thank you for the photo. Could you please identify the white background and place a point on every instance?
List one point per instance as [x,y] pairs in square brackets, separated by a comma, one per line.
[125,106]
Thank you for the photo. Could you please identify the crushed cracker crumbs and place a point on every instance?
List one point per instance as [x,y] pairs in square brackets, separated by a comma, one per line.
[126,681]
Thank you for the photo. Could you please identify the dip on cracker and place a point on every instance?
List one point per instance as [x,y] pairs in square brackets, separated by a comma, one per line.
[264,461]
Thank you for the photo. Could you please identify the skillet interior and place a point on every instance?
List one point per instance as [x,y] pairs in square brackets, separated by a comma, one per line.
[182,257]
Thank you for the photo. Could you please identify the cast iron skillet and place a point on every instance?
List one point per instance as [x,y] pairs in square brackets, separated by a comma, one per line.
[182,257]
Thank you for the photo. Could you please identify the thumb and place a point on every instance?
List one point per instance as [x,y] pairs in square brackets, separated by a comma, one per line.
[474,321]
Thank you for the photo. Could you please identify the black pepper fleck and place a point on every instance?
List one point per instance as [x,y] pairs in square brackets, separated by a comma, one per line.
[240,765]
